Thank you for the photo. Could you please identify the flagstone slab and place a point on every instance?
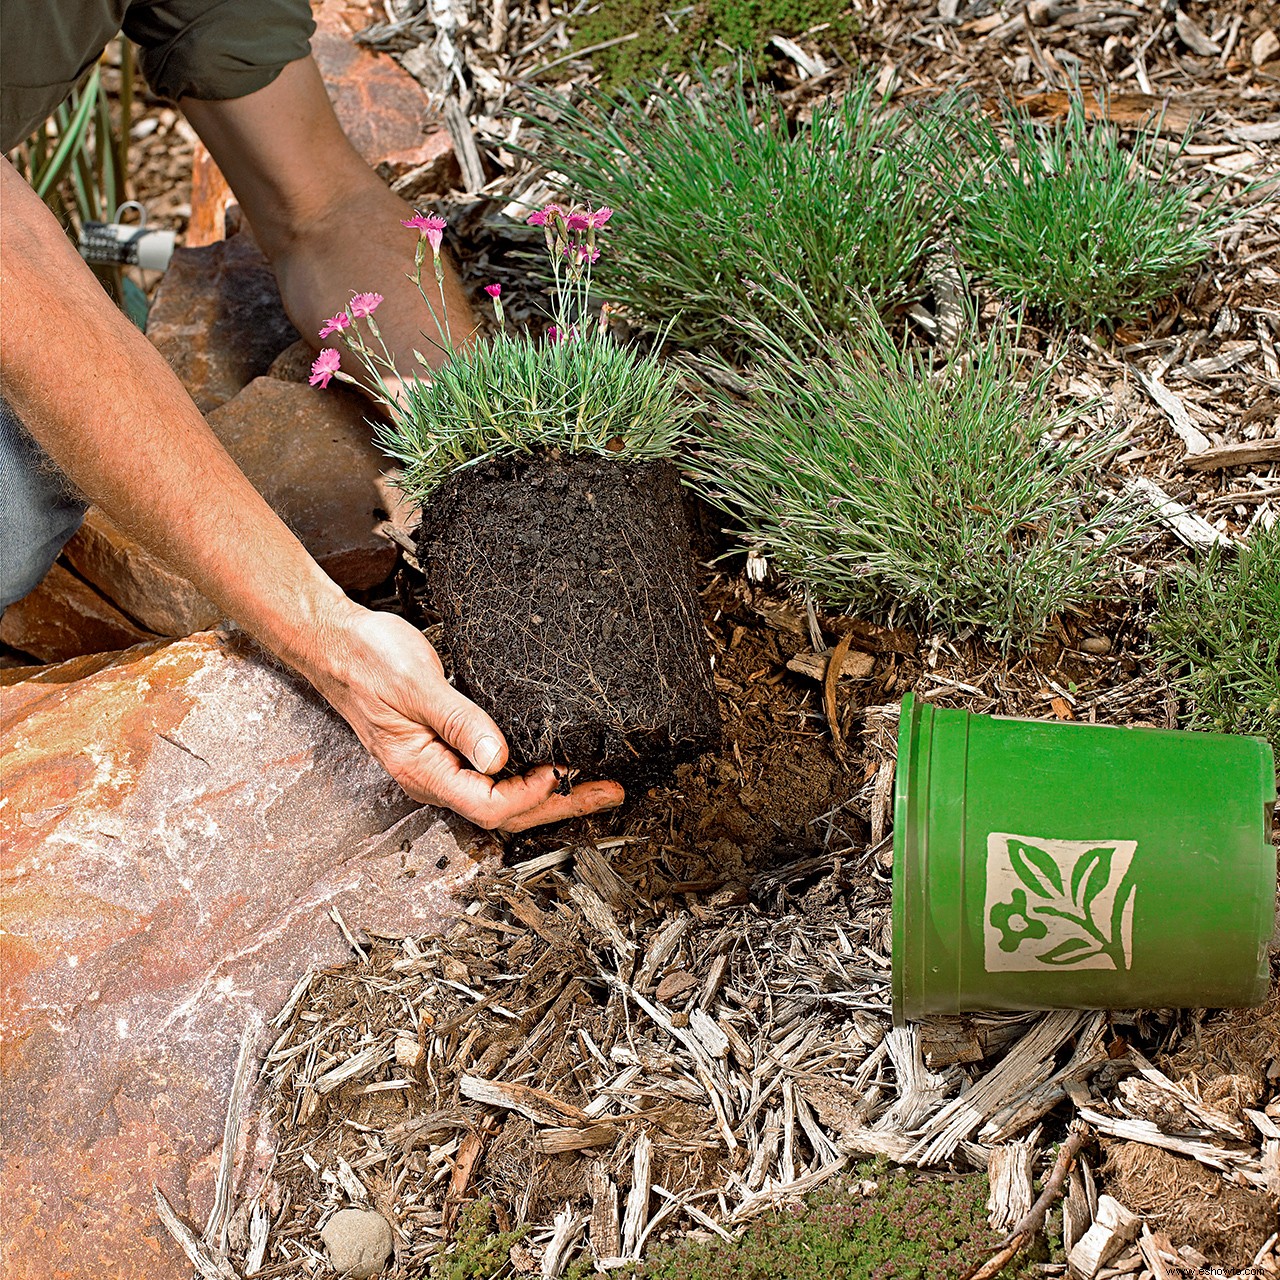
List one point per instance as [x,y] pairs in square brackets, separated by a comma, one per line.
[140,584]
[177,824]
[63,616]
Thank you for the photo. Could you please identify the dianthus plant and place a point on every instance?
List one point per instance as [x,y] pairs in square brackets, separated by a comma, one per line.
[573,388]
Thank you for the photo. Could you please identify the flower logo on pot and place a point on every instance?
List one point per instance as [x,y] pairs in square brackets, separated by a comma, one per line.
[1057,904]
[1014,925]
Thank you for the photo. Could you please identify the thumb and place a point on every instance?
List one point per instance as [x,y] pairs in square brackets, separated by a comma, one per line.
[465,727]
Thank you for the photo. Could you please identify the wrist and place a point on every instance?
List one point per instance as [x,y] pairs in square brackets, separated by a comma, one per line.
[311,632]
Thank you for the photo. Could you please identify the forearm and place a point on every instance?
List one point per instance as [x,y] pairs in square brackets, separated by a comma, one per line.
[107,409]
[326,221]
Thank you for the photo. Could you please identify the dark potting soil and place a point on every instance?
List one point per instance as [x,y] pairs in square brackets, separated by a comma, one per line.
[566,590]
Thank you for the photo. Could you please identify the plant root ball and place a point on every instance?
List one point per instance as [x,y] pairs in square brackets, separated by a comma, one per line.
[359,1243]
[570,610]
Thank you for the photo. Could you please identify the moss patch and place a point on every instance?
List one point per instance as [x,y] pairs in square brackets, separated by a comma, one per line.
[884,1224]
[702,32]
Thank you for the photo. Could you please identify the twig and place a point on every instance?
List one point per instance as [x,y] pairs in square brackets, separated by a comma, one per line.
[1034,1220]
[829,683]
[207,1264]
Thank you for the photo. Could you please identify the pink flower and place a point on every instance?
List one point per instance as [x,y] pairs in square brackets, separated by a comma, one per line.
[364,305]
[553,333]
[598,219]
[578,222]
[539,219]
[493,290]
[335,324]
[430,225]
[587,254]
[325,366]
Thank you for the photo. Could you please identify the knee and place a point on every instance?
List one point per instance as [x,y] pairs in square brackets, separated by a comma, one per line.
[38,512]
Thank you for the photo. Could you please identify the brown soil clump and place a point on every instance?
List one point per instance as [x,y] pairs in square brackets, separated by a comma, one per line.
[567,594]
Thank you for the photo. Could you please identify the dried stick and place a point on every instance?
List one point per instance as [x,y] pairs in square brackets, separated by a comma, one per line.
[1034,1219]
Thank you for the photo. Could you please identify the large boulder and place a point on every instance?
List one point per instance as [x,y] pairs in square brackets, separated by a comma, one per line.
[217,318]
[310,453]
[177,823]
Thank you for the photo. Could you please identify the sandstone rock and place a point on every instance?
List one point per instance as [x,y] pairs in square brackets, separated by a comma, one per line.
[310,454]
[380,106]
[293,364]
[176,824]
[359,1243]
[218,320]
[155,597]
[65,617]
[211,198]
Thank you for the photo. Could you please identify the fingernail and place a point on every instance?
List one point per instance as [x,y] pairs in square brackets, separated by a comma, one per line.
[488,749]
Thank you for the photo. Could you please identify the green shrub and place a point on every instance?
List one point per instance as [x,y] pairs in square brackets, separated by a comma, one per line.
[711,32]
[1070,223]
[874,476]
[721,205]
[1218,626]
[574,389]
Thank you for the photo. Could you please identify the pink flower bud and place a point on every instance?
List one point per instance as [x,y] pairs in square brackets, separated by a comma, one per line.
[493,290]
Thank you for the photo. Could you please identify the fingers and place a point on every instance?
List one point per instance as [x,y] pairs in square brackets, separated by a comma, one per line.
[514,804]
[589,797]
[465,727]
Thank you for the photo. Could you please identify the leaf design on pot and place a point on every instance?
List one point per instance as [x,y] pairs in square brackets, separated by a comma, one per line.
[1090,876]
[1072,951]
[1036,869]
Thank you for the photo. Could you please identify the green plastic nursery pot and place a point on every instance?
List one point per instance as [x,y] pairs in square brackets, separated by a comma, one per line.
[1043,866]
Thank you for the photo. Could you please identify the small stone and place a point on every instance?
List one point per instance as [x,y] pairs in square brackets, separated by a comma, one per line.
[218,320]
[1264,48]
[1099,645]
[408,1052]
[311,455]
[293,364]
[143,587]
[211,198]
[64,617]
[359,1242]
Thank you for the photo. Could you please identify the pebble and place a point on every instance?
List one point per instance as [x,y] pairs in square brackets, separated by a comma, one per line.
[359,1243]
[1096,644]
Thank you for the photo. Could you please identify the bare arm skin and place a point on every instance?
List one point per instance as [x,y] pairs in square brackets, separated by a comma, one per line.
[326,221]
[106,407]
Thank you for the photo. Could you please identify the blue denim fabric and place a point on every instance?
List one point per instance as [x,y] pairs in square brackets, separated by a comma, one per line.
[39,510]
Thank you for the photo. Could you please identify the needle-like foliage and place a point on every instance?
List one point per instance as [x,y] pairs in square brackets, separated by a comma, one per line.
[726,203]
[519,393]
[873,476]
[1218,628]
[1066,220]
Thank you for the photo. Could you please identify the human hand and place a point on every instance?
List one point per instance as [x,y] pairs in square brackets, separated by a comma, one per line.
[385,679]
